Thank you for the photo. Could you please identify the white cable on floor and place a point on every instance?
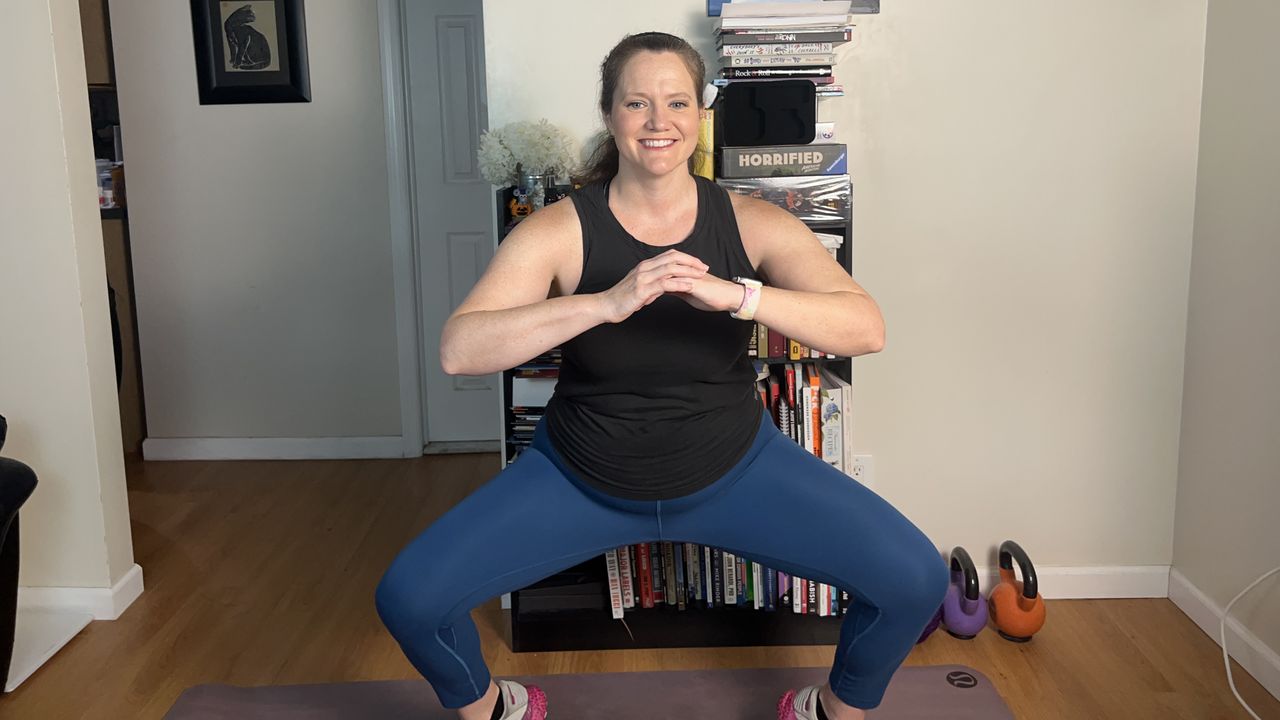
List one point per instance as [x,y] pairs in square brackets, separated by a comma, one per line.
[1222,631]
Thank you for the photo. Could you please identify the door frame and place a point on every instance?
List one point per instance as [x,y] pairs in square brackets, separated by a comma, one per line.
[404,262]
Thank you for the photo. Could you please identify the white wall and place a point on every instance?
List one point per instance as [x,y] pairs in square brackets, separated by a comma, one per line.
[57,375]
[261,238]
[1229,472]
[1024,179]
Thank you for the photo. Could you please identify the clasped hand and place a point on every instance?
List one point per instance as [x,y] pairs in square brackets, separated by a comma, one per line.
[671,273]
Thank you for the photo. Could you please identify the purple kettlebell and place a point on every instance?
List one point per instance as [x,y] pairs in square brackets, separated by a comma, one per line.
[964,612]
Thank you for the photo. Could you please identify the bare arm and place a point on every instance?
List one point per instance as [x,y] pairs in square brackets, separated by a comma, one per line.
[807,297]
[509,316]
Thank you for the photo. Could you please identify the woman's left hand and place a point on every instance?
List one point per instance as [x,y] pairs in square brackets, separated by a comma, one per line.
[713,294]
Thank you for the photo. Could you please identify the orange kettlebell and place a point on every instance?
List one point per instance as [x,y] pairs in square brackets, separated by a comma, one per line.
[1016,607]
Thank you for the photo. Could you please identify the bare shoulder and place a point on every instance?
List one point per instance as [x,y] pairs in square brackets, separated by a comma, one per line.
[746,207]
[548,243]
[534,262]
[785,251]
[551,223]
[762,224]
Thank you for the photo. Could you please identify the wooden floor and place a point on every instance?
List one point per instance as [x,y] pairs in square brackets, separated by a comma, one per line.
[263,573]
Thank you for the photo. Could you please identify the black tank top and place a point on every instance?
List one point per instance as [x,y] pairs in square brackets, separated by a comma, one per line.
[663,403]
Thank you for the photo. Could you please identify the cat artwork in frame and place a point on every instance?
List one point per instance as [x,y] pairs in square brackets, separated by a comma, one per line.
[250,51]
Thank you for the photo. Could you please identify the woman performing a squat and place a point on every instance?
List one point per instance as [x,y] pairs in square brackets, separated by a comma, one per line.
[645,276]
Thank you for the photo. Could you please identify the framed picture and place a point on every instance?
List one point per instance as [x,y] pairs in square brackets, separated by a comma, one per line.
[250,51]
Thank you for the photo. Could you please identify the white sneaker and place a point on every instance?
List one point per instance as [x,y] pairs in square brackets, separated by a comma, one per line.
[521,703]
[799,704]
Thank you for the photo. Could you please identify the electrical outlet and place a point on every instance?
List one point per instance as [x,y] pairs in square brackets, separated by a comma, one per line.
[863,470]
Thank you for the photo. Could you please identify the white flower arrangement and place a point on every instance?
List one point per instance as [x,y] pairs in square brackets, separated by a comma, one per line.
[536,147]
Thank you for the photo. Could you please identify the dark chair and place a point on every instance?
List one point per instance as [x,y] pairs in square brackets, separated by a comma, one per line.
[17,482]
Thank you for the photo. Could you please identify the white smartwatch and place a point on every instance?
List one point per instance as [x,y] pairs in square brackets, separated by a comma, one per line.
[750,299]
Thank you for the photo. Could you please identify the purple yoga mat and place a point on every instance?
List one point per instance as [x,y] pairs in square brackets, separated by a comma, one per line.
[933,692]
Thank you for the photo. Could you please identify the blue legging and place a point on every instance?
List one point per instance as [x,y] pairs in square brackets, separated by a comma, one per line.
[780,506]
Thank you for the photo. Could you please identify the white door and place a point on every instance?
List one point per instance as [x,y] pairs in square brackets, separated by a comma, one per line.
[454,206]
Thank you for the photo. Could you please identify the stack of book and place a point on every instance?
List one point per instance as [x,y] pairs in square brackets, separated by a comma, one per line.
[782,40]
[531,386]
[687,575]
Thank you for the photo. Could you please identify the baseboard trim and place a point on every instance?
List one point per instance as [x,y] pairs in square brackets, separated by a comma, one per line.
[101,603]
[459,447]
[1088,582]
[50,617]
[334,448]
[1260,661]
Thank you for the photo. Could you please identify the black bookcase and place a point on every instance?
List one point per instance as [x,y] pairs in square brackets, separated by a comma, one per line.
[570,609]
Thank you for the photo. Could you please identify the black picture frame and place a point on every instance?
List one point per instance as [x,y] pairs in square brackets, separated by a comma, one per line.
[250,51]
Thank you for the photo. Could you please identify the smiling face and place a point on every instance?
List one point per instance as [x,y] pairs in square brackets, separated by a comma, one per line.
[655,115]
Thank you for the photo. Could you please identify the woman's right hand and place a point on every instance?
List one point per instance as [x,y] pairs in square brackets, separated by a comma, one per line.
[672,271]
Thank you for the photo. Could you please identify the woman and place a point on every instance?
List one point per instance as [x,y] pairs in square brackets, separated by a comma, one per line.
[655,431]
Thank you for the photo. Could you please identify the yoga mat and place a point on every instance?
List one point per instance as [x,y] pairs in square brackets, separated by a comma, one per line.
[933,692]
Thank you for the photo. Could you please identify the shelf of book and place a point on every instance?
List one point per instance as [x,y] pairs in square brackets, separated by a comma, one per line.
[570,611]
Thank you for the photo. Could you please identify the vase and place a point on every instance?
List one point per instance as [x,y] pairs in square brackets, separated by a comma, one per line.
[537,184]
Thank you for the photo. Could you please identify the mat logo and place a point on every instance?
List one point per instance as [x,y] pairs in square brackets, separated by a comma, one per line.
[961,679]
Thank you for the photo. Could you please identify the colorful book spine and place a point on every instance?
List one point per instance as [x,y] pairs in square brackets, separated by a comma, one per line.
[645,575]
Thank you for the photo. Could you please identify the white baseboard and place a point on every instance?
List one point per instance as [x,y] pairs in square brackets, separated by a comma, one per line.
[50,617]
[100,603]
[1262,662]
[335,448]
[1089,582]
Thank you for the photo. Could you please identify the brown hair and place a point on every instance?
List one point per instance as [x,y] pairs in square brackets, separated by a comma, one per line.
[603,162]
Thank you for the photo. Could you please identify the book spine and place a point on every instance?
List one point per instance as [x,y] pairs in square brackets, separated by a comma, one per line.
[757,586]
[815,410]
[708,581]
[762,61]
[643,571]
[739,37]
[678,560]
[624,571]
[703,160]
[694,560]
[615,583]
[717,564]
[730,579]
[740,577]
[767,49]
[659,574]
[789,72]
[671,590]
